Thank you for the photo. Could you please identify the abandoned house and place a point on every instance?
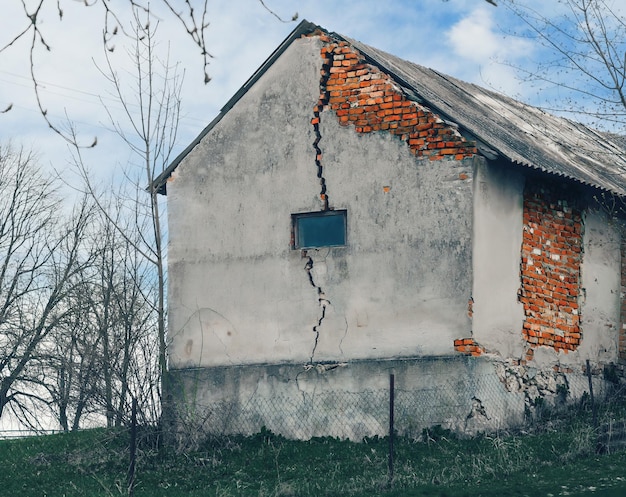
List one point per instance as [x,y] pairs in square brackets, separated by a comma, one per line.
[350,214]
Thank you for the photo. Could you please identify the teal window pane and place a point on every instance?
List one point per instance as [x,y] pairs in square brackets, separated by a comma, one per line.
[319,229]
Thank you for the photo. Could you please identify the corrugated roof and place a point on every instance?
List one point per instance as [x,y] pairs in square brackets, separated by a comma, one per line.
[502,126]
[521,133]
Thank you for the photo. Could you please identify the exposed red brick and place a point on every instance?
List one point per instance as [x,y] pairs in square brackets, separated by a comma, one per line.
[348,82]
[468,346]
[551,257]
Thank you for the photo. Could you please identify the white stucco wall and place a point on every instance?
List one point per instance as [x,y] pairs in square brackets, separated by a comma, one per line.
[240,295]
[498,202]
[599,296]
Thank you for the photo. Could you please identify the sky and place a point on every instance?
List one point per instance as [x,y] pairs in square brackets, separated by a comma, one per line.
[469,39]
[463,38]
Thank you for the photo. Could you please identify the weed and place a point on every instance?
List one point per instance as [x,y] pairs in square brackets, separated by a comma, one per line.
[582,443]
[94,463]
[437,433]
[562,390]
[612,374]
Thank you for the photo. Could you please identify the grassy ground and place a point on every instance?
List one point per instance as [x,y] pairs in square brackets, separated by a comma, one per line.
[94,463]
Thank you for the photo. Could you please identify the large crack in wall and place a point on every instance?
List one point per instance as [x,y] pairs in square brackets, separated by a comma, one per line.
[323,303]
[315,121]
[317,110]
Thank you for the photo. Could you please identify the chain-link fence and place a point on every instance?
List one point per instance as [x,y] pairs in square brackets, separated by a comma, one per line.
[464,396]
[17,433]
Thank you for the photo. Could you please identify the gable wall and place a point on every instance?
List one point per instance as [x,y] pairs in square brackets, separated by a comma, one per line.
[239,294]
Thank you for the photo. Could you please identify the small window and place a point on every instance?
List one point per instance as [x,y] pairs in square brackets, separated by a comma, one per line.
[319,229]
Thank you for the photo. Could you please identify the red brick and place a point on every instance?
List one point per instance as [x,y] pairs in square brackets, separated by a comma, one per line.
[549,301]
[350,83]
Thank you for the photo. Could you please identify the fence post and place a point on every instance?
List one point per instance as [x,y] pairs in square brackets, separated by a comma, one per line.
[132,450]
[391,426]
[591,397]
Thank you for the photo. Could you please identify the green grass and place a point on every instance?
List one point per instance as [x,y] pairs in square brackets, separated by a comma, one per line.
[94,463]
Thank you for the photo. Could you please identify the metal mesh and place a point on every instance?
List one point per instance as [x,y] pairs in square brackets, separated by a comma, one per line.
[465,404]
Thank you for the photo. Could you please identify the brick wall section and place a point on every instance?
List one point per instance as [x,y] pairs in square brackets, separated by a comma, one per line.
[622,330]
[550,268]
[468,346]
[364,97]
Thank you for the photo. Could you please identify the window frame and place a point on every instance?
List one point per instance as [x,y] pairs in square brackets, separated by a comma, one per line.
[295,229]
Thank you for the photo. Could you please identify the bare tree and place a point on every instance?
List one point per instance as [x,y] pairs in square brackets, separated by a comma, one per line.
[124,319]
[108,347]
[151,106]
[584,59]
[117,17]
[155,92]
[192,16]
[102,356]
[40,258]
[70,367]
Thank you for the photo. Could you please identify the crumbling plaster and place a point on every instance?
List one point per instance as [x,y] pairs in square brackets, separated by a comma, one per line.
[497,314]
[598,297]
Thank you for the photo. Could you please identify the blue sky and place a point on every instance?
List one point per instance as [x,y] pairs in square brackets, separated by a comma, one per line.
[463,38]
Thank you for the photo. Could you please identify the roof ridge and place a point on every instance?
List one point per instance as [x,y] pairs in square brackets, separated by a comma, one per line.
[502,126]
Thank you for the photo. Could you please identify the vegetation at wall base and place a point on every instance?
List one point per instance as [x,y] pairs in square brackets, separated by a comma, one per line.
[95,463]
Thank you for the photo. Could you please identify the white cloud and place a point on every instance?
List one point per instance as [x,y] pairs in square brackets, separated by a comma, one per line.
[455,37]
[473,37]
[489,55]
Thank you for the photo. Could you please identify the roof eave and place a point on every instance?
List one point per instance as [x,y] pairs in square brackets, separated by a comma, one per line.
[305,27]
